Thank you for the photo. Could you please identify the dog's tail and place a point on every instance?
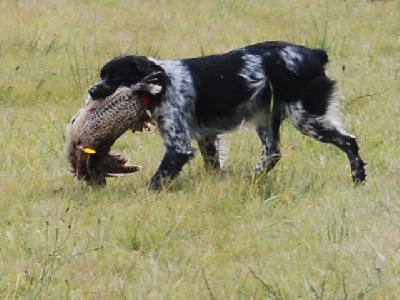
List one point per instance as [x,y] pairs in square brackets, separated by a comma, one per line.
[300,75]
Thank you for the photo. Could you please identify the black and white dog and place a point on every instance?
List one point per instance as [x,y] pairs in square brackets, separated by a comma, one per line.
[200,98]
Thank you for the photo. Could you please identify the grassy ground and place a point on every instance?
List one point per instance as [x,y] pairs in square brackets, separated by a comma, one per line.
[303,231]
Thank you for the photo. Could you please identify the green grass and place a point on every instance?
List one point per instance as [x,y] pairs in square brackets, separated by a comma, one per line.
[301,231]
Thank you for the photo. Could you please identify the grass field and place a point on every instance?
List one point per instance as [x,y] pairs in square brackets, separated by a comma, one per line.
[301,232]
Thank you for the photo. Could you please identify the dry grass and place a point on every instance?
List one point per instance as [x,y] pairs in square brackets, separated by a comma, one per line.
[303,231]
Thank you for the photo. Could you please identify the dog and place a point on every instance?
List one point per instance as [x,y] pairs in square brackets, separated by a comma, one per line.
[201,98]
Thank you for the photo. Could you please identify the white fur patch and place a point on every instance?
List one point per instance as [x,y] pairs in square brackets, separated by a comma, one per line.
[154,89]
[223,150]
[253,72]
[333,115]
[306,123]
[291,57]
[176,113]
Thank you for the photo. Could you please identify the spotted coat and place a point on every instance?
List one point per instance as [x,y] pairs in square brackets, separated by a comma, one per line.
[205,97]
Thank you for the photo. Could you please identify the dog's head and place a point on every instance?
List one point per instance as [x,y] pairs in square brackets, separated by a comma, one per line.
[127,71]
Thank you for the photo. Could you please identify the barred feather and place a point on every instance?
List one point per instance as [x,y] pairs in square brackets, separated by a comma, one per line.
[97,126]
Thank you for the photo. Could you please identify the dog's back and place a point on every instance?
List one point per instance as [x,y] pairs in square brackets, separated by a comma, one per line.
[222,84]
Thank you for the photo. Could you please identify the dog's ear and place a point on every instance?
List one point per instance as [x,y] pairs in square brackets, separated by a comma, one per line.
[153,86]
[141,66]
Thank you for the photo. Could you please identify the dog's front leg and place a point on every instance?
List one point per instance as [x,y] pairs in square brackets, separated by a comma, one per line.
[169,168]
[174,124]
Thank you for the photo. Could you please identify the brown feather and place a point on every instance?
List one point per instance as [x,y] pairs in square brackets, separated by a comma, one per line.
[97,126]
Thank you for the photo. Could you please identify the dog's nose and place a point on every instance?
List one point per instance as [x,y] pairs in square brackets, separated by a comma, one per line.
[92,90]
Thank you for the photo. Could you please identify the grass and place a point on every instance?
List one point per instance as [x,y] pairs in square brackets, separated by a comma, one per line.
[302,231]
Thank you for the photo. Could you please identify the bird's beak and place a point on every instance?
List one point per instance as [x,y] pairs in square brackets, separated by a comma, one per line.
[88,150]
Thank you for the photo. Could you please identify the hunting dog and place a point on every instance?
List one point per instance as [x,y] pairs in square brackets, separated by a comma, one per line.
[203,97]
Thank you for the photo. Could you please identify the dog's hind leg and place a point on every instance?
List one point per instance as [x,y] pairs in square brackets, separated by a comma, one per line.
[209,152]
[267,127]
[327,128]
[214,151]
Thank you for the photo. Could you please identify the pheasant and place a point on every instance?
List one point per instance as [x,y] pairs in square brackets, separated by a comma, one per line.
[93,131]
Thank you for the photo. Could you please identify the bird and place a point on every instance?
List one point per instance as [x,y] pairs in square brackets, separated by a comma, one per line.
[95,128]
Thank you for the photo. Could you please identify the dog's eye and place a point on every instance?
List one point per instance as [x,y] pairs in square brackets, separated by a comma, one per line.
[115,77]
